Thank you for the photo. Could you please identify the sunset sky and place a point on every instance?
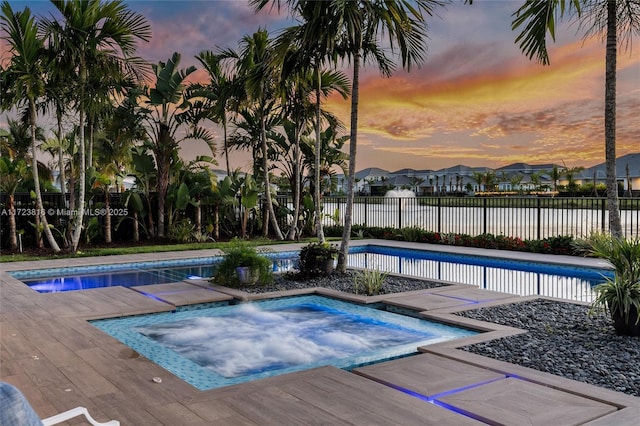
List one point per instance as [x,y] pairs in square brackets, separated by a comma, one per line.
[476,100]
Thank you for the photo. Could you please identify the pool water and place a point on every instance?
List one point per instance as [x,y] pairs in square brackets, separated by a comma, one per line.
[213,346]
[512,276]
[505,275]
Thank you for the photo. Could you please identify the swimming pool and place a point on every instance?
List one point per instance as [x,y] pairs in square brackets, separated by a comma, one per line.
[210,346]
[492,273]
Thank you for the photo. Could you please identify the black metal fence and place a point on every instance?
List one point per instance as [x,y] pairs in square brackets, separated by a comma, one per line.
[524,217]
[531,218]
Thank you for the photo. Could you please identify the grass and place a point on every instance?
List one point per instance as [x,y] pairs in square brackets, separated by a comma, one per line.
[112,251]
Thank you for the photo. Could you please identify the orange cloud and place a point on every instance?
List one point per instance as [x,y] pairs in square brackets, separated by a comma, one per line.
[499,112]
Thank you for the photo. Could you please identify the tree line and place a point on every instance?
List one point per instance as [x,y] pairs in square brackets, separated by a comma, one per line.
[117,114]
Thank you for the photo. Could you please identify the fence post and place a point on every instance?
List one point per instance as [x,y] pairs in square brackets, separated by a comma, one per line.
[539,224]
[439,215]
[399,212]
[366,208]
[603,210]
[484,212]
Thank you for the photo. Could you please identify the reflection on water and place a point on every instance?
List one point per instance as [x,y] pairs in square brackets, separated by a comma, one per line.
[509,276]
[573,284]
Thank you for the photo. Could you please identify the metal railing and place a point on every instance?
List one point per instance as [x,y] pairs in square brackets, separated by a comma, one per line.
[533,218]
[523,217]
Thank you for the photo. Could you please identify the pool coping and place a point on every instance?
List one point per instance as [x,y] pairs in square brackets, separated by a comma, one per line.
[188,254]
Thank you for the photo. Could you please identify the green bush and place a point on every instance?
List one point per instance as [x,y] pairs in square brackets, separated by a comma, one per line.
[619,296]
[411,233]
[182,231]
[371,281]
[241,254]
[312,258]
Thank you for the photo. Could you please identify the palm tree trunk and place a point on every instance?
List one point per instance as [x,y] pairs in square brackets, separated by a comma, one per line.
[267,187]
[163,185]
[615,224]
[348,214]
[107,217]
[72,206]
[296,186]
[36,180]
[136,227]
[199,216]
[216,222]
[90,144]
[150,223]
[13,239]
[226,146]
[316,165]
[62,177]
[75,238]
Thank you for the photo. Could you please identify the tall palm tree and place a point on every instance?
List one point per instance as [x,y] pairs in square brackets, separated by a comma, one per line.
[167,115]
[258,78]
[361,26]
[220,91]
[618,21]
[95,36]
[307,78]
[299,84]
[26,76]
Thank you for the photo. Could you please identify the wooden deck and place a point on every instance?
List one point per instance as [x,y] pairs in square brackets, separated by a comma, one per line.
[60,361]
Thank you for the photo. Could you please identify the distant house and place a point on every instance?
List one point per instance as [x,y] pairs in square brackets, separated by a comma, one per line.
[630,181]
[393,182]
[364,178]
[518,176]
[513,177]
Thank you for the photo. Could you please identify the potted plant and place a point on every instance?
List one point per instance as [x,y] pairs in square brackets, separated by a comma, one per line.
[317,259]
[243,265]
[619,295]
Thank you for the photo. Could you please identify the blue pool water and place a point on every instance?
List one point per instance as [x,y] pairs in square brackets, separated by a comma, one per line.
[505,275]
[213,346]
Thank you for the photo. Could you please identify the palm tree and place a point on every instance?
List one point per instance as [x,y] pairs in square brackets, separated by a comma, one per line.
[536,180]
[220,91]
[12,172]
[298,85]
[331,156]
[610,17]
[99,38]
[555,175]
[352,28]
[167,116]
[307,54]
[258,78]
[26,76]
[361,24]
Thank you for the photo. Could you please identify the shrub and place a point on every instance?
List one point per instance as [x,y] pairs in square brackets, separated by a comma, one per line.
[313,256]
[371,281]
[620,295]
[182,231]
[241,254]
[411,233]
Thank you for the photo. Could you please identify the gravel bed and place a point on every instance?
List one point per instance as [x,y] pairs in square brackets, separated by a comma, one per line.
[563,340]
[340,282]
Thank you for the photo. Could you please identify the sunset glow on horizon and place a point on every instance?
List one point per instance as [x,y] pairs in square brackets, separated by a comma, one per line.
[476,100]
